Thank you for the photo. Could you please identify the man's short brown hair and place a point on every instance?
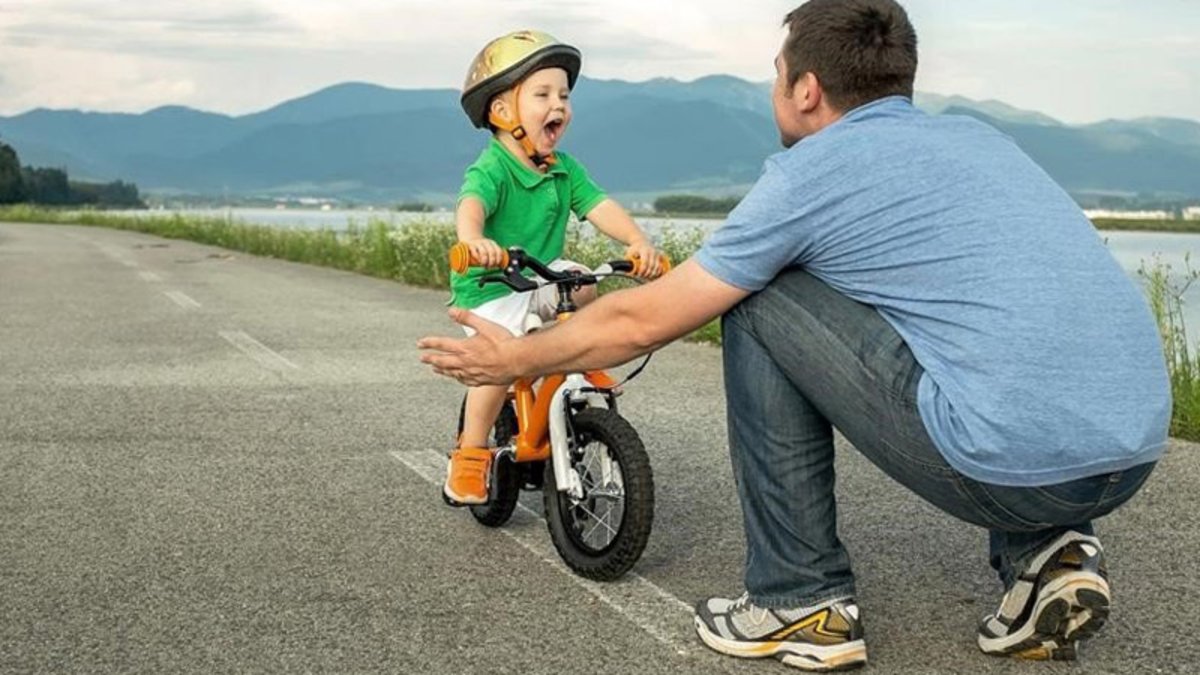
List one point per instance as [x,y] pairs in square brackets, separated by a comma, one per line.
[859,50]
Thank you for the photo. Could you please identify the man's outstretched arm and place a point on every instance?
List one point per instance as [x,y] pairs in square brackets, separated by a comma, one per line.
[613,330]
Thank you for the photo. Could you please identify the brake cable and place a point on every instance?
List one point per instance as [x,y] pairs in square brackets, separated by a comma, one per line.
[642,366]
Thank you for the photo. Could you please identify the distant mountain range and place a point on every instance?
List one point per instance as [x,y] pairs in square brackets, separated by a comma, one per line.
[367,142]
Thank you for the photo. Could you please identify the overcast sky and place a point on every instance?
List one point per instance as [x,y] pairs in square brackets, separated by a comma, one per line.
[1077,60]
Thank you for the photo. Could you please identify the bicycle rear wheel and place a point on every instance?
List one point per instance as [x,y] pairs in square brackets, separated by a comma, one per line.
[506,475]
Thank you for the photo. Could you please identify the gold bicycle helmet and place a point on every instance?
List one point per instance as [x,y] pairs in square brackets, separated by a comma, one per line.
[505,61]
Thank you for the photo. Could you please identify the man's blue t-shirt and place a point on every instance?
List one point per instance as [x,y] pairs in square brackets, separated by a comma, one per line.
[1042,360]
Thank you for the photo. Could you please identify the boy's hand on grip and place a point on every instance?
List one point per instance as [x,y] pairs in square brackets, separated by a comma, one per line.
[647,263]
[486,253]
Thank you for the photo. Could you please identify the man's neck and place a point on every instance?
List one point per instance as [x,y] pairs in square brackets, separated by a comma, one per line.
[823,116]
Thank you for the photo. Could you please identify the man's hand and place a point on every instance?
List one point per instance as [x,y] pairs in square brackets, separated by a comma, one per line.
[473,361]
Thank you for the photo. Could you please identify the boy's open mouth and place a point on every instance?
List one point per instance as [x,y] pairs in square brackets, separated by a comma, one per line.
[553,130]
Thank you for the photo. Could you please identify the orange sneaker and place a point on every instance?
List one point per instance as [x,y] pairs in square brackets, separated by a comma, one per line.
[468,476]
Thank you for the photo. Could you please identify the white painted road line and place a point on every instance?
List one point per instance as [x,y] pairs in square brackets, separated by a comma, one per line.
[149,276]
[256,350]
[179,298]
[116,254]
[663,616]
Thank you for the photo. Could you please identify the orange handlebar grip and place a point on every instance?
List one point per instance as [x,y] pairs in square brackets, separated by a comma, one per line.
[461,258]
[663,261]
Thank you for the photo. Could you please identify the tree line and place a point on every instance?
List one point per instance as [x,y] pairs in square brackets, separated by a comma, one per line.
[52,187]
[695,204]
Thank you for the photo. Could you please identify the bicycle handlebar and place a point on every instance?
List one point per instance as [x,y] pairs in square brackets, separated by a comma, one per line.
[461,258]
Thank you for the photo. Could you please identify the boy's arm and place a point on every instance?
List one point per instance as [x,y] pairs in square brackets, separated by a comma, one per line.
[469,219]
[610,218]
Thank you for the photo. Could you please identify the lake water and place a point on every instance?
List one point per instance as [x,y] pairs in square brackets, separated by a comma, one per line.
[1131,249]
[338,219]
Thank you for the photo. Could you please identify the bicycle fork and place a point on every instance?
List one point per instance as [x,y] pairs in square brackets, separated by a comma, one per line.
[575,389]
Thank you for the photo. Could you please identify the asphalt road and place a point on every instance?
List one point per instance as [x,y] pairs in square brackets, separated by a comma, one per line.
[211,462]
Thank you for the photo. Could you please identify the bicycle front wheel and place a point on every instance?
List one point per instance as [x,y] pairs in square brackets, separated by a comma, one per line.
[603,534]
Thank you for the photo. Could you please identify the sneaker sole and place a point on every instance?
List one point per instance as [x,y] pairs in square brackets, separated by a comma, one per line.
[802,655]
[1075,608]
[455,500]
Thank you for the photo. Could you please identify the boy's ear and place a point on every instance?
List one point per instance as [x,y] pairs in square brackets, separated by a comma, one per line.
[499,107]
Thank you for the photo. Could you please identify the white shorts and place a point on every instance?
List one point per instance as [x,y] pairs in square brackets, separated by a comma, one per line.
[511,310]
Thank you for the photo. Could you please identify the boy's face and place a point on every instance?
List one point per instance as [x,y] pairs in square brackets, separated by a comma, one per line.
[545,108]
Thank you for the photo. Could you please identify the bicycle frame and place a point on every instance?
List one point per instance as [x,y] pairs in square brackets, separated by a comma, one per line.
[542,425]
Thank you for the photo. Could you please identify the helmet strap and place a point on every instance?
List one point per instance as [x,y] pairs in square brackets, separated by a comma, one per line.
[518,132]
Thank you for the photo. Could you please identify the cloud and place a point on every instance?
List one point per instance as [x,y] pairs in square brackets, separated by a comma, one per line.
[1076,61]
[166,28]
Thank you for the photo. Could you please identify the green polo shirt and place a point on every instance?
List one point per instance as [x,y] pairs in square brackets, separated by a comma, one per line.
[523,208]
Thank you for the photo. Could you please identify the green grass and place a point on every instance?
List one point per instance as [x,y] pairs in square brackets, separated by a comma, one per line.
[1183,358]
[367,250]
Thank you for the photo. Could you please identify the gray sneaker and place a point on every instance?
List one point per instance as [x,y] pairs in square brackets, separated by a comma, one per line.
[826,637]
[1062,597]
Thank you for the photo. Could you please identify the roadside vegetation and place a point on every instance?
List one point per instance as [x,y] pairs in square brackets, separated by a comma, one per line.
[1178,225]
[696,206]
[1164,289]
[415,254]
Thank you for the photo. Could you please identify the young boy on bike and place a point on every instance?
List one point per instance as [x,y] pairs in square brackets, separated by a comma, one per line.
[520,192]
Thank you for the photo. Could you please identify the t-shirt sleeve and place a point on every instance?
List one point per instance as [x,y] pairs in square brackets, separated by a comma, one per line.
[478,184]
[585,194]
[763,235]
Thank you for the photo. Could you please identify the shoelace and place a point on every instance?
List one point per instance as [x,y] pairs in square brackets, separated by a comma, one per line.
[475,467]
[471,468]
[743,602]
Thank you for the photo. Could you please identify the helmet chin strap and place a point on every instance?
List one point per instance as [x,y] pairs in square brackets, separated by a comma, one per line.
[518,132]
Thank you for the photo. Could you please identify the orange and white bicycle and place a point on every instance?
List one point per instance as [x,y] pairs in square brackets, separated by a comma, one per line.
[564,436]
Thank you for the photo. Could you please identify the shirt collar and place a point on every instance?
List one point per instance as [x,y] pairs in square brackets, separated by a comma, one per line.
[888,106]
[527,177]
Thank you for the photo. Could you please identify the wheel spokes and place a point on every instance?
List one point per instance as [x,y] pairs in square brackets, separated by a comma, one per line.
[599,514]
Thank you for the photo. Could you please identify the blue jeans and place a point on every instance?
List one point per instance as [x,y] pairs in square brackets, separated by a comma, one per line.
[801,358]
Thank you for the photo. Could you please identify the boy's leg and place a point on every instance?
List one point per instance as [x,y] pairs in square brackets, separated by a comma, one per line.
[482,407]
[545,299]
[470,463]
[545,303]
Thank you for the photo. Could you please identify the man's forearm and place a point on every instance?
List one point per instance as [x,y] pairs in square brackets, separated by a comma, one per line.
[606,333]
[613,330]
[623,325]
